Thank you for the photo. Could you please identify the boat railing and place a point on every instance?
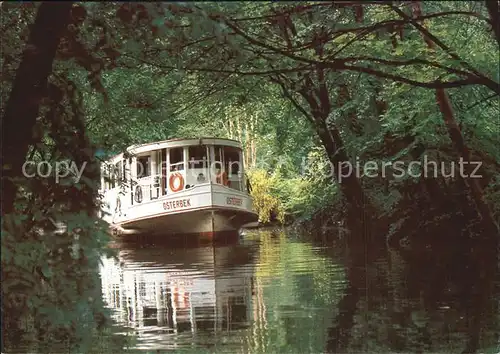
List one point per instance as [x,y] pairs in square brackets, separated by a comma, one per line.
[147,188]
[150,187]
[143,189]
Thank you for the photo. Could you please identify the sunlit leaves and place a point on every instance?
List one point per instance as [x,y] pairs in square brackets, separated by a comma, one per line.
[180,69]
[264,202]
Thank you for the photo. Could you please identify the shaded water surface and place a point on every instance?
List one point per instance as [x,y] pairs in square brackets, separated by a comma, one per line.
[276,292]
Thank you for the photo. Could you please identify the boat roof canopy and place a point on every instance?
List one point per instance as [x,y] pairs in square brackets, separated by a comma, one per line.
[172,143]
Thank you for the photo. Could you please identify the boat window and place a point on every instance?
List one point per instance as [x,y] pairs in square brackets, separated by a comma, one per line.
[112,176]
[106,177]
[232,160]
[118,172]
[197,156]
[109,175]
[124,169]
[176,159]
[159,161]
[217,157]
[164,171]
[143,166]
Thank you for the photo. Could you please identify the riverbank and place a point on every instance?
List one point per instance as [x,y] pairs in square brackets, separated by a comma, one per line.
[419,221]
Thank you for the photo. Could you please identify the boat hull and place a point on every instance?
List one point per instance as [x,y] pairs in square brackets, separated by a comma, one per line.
[203,222]
[203,211]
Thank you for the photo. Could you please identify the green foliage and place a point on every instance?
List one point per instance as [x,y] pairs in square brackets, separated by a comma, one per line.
[130,73]
[264,201]
[209,76]
[51,249]
[52,241]
[304,194]
[294,192]
[144,106]
[50,278]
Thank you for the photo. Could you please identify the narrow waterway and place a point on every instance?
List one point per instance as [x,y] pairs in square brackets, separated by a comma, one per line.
[278,292]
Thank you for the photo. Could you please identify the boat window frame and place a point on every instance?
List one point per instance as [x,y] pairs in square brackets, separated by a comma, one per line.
[146,167]
[176,166]
[218,163]
[106,176]
[192,161]
[228,164]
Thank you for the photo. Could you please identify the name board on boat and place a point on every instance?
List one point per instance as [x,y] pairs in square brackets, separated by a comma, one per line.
[234,201]
[177,204]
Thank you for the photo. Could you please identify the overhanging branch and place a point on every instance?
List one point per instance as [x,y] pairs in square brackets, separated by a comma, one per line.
[431,85]
[276,80]
[494,86]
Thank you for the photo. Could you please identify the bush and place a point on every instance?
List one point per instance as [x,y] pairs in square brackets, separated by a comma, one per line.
[265,200]
[292,195]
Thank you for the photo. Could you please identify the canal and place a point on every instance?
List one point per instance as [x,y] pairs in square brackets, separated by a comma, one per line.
[276,291]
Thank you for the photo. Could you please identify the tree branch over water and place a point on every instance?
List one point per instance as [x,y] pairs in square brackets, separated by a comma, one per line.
[494,86]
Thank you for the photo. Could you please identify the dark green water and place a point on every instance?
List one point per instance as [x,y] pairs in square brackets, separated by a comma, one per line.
[274,292]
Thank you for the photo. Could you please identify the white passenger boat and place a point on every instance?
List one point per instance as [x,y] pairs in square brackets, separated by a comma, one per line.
[180,186]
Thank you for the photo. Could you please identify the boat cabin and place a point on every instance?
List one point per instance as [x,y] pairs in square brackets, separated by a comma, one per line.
[150,171]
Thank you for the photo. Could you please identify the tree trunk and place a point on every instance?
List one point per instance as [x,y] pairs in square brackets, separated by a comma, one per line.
[359,210]
[344,97]
[238,126]
[27,90]
[461,147]
[492,6]
[248,153]
[230,128]
[254,150]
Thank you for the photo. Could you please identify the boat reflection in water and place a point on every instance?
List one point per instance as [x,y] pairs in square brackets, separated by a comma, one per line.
[173,297]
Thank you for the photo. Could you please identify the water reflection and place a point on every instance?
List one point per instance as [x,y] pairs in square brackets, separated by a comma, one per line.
[169,295]
[263,294]
[439,302]
[276,292]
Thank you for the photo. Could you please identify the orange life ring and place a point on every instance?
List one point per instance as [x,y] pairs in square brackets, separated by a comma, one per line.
[173,178]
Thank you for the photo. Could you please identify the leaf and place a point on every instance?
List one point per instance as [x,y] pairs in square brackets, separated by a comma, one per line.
[47,271]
